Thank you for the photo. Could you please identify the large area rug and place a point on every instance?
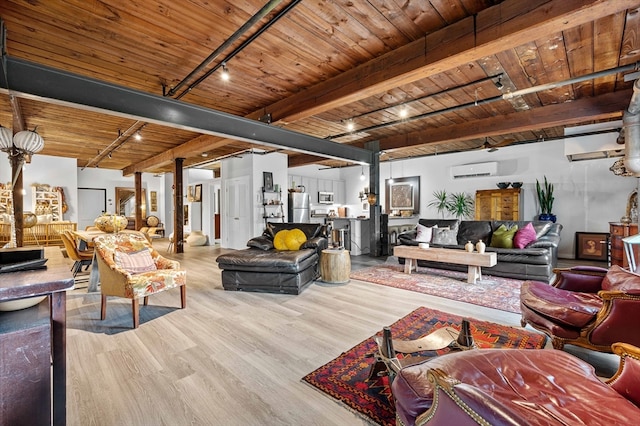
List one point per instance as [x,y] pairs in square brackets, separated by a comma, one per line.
[492,292]
[345,377]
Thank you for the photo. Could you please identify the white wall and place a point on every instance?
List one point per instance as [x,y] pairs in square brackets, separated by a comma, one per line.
[587,195]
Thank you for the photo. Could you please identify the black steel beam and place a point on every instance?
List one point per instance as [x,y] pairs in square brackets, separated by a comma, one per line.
[31,80]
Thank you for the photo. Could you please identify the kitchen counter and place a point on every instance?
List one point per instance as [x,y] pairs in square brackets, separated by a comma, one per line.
[358,233]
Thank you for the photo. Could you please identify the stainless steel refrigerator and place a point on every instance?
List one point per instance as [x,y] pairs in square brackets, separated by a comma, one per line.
[299,207]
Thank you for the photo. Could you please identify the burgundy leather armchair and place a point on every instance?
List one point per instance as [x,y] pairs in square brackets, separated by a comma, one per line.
[585,306]
[517,387]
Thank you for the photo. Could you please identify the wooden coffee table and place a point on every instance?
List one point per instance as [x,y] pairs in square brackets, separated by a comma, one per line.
[473,260]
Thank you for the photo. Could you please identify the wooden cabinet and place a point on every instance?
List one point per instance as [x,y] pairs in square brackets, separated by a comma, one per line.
[617,232]
[6,199]
[498,204]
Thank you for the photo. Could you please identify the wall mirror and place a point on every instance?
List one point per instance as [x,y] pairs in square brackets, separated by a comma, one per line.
[126,202]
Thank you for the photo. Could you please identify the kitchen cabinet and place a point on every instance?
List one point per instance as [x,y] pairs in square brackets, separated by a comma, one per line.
[311,187]
[498,204]
[339,189]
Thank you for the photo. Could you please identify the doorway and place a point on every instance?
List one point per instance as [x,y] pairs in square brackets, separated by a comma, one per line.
[92,202]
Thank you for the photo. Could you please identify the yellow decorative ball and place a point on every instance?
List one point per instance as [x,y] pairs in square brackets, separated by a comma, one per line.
[290,239]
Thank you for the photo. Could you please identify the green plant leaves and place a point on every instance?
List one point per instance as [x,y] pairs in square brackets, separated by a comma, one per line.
[545,196]
[459,204]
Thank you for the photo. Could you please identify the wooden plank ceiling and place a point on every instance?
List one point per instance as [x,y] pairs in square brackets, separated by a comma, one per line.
[325,64]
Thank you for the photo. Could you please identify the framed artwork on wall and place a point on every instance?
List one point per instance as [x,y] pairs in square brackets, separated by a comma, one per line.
[403,195]
[190,193]
[153,197]
[592,245]
[197,195]
[267,178]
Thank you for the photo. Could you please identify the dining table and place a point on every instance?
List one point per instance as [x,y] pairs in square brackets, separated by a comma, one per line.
[87,238]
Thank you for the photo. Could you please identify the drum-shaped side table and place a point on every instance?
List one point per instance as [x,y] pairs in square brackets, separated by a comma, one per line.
[335,266]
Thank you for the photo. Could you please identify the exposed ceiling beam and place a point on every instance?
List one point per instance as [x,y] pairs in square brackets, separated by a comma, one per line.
[608,106]
[505,26]
[40,82]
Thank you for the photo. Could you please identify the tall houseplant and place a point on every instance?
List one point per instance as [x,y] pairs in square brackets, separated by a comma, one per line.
[545,198]
[459,204]
[439,202]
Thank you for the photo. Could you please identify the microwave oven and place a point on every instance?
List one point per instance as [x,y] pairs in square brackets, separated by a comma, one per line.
[325,197]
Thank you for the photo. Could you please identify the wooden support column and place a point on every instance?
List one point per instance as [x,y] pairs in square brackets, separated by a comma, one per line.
[18,199]
[374,210]
[139,201]
[178,200]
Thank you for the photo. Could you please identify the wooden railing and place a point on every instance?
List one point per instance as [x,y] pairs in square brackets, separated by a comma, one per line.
[43,234]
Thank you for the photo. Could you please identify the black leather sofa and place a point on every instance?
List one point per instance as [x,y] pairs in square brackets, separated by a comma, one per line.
[534,262]
[262,268]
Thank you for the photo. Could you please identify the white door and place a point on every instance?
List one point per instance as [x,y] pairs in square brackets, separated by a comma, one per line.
[92,202]
[236,208]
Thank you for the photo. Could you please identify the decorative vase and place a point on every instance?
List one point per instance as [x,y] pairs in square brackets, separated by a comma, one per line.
[469,246]
[547,217]
[196,238]
[480,246]
[29,220]
[111,223]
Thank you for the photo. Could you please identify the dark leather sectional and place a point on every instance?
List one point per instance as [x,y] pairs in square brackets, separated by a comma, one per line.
[535,262]
[262,268]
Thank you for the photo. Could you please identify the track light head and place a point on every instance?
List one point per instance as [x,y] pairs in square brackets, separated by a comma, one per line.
[225,73]
[499,84]
[138,136]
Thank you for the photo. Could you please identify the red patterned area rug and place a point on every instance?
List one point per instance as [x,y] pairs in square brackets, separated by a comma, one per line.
[492,292]
[345,378]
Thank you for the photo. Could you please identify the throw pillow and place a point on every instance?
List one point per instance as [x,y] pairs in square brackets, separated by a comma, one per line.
[524,236]
[621,279]
[135,262]
[424,233]
[445,236]
[261,242]
[503,236]
[289,239]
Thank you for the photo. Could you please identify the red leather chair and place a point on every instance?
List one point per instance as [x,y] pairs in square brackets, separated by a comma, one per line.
[585,306]
[534,387]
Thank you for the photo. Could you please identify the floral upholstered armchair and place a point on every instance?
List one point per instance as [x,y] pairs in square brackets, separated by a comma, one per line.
[130,267]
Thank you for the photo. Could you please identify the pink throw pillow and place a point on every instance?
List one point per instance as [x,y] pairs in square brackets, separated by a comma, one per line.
[525,236]
[135,262]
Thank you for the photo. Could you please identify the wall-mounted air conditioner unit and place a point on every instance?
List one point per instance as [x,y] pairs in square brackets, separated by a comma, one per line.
[475,170]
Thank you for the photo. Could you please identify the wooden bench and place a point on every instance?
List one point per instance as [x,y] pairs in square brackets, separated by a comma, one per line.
[460,257]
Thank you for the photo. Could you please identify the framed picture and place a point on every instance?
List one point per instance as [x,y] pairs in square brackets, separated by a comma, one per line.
[592,245]
[189,193]
[153,195]
[403,195]
[186,214]
[197,195]
[267,178]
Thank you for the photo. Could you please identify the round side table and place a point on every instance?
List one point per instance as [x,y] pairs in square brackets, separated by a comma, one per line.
[335,266]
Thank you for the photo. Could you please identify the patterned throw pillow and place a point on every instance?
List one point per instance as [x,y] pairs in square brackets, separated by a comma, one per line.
[524,236]
[289,239]
[445,236]
[503,236]
[424,233]
[135,262]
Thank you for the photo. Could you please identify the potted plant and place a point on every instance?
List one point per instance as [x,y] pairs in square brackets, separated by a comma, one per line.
[460,204]
[439,202]
[545,198]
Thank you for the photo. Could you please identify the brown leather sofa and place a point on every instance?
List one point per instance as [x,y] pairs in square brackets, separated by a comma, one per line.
[262,268]
[586,306]
[534,262]
[517,387]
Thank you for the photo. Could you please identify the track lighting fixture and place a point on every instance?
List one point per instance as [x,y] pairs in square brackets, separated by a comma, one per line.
[138,136]
[225,73]
[109,155]
[498,83]
[404,112]
[350,125]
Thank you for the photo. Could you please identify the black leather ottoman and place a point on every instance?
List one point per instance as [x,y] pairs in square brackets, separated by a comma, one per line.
[268,271]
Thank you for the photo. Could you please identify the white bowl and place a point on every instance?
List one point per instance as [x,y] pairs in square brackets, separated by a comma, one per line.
[16,305]
[423,245]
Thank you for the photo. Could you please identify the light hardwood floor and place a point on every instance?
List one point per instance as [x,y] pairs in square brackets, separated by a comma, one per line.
[229,358]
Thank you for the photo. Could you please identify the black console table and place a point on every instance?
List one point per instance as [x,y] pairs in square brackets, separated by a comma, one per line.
[32,341]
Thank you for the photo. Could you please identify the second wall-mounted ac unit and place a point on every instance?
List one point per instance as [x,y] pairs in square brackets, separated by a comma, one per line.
[475,170]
